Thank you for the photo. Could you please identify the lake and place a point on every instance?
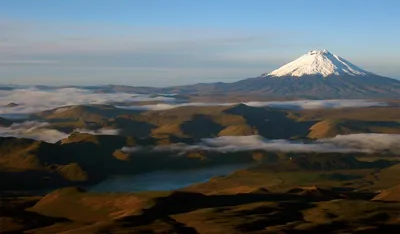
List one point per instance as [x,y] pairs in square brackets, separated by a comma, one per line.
[164,180]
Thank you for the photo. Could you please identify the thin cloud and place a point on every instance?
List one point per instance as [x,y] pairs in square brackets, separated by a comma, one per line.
[102,131]
[84,50]
[167,106]
[42,131]
[318,104]
[242,143]
[373,142]
[293,105]
[98,45]
[33,130]
[37,38]
[33,100]
[364,143]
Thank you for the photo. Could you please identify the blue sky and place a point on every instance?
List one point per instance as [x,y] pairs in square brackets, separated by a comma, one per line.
[161,43]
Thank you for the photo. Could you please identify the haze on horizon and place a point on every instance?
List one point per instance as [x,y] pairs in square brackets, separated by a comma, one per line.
[164,43]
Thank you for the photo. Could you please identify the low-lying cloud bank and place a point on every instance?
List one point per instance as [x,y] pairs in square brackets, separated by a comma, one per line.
[102,131]
[33,100]
[363,143]
[368,142]
[167,106]
[42,131]
[318,104]
[33,130]
[292,105]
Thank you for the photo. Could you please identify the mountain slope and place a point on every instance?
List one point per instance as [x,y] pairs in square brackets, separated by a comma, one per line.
[389,195]
[317,74]
[319,62]
[313,86]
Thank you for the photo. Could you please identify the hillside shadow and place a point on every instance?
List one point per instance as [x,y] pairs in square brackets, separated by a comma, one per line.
[201,126]
[130,127]
[183,202]
[270,123]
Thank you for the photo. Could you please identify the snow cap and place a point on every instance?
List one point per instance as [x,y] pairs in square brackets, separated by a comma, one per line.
[318,62]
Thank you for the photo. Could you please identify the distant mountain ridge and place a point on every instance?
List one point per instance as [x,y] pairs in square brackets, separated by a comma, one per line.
[319,74]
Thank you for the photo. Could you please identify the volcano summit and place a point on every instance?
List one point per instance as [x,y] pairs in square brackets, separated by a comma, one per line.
[319,62]
[319,74]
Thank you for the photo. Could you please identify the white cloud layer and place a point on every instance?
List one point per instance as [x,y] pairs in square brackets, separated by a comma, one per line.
[42,131]
[318,104]
[293,105]
[102,131]
[33,130]
[32,100]
[167,106]
[364,143]
[371,142]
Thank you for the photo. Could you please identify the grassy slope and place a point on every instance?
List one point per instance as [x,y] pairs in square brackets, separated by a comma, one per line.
[236,120]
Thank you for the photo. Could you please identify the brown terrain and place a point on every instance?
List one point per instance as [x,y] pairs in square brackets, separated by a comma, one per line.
[283,192]
[307,209]
[212,121]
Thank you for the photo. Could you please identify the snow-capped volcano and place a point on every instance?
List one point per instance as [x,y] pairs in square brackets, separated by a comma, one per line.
[318,62]
[318,74]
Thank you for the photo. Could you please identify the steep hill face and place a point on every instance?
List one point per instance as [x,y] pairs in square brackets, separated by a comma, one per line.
[88,113]
[331,128]
[236,120]
[86,159]
[389,195]
[81,158]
